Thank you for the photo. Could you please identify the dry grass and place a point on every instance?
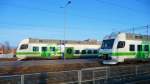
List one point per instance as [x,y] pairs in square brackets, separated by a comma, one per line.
[7,59]
[26,67]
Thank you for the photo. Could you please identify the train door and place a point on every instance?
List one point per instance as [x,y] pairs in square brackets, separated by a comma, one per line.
[69,51]
[45,52]
[146,51]
[139,52]
[143,52]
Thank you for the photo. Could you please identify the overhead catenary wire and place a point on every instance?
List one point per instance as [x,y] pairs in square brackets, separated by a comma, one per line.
[138,30]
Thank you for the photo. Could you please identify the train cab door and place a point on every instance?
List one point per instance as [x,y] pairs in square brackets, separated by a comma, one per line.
[69,51]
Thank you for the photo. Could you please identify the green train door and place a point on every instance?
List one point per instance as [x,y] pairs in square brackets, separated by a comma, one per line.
[45,52]
[142,52]
[146,52]
[69,51]
[139,52]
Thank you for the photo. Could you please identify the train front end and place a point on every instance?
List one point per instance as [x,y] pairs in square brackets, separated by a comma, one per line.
[108,49]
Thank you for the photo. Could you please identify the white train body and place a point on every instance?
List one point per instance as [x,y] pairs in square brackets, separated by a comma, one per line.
[122,46]
[55,48]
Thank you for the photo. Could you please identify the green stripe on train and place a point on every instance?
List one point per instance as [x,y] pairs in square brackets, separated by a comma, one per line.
[27,53]
[37,53]
[123,53]
[126,53]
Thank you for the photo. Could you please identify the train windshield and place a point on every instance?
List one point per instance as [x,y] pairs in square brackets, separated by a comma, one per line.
[107,44]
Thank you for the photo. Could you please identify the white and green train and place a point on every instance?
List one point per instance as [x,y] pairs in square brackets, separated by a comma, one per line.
[53,49]
[123,46]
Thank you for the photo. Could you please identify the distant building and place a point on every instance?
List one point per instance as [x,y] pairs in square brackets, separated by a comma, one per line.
[5,50]
[13,51]
[1,51]
[1,48]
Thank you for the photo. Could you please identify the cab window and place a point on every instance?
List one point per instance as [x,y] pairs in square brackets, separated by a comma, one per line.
[24,46]
[121,44]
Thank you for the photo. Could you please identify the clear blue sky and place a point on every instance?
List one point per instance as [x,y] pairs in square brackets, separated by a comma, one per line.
[94,19]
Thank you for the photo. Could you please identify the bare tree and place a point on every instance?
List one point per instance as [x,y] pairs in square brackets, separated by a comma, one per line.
[2,46]
[7,47]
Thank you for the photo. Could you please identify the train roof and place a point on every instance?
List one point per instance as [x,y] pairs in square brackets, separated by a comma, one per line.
[129,36]
[133,36]
[89,42]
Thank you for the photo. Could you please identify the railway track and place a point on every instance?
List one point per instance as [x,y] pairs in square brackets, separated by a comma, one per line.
[34,66]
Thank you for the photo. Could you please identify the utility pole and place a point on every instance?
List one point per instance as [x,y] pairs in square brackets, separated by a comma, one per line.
[133,30]
[65,25]
[147,32]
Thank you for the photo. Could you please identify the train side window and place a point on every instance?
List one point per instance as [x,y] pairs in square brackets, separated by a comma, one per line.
[24,46]
[52,49]
[95,52]
[132,47]
[35,48]
[83,52]
[89,52]
[146,48]
[139,47]
[77,51]
[121,44]
[44,48]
